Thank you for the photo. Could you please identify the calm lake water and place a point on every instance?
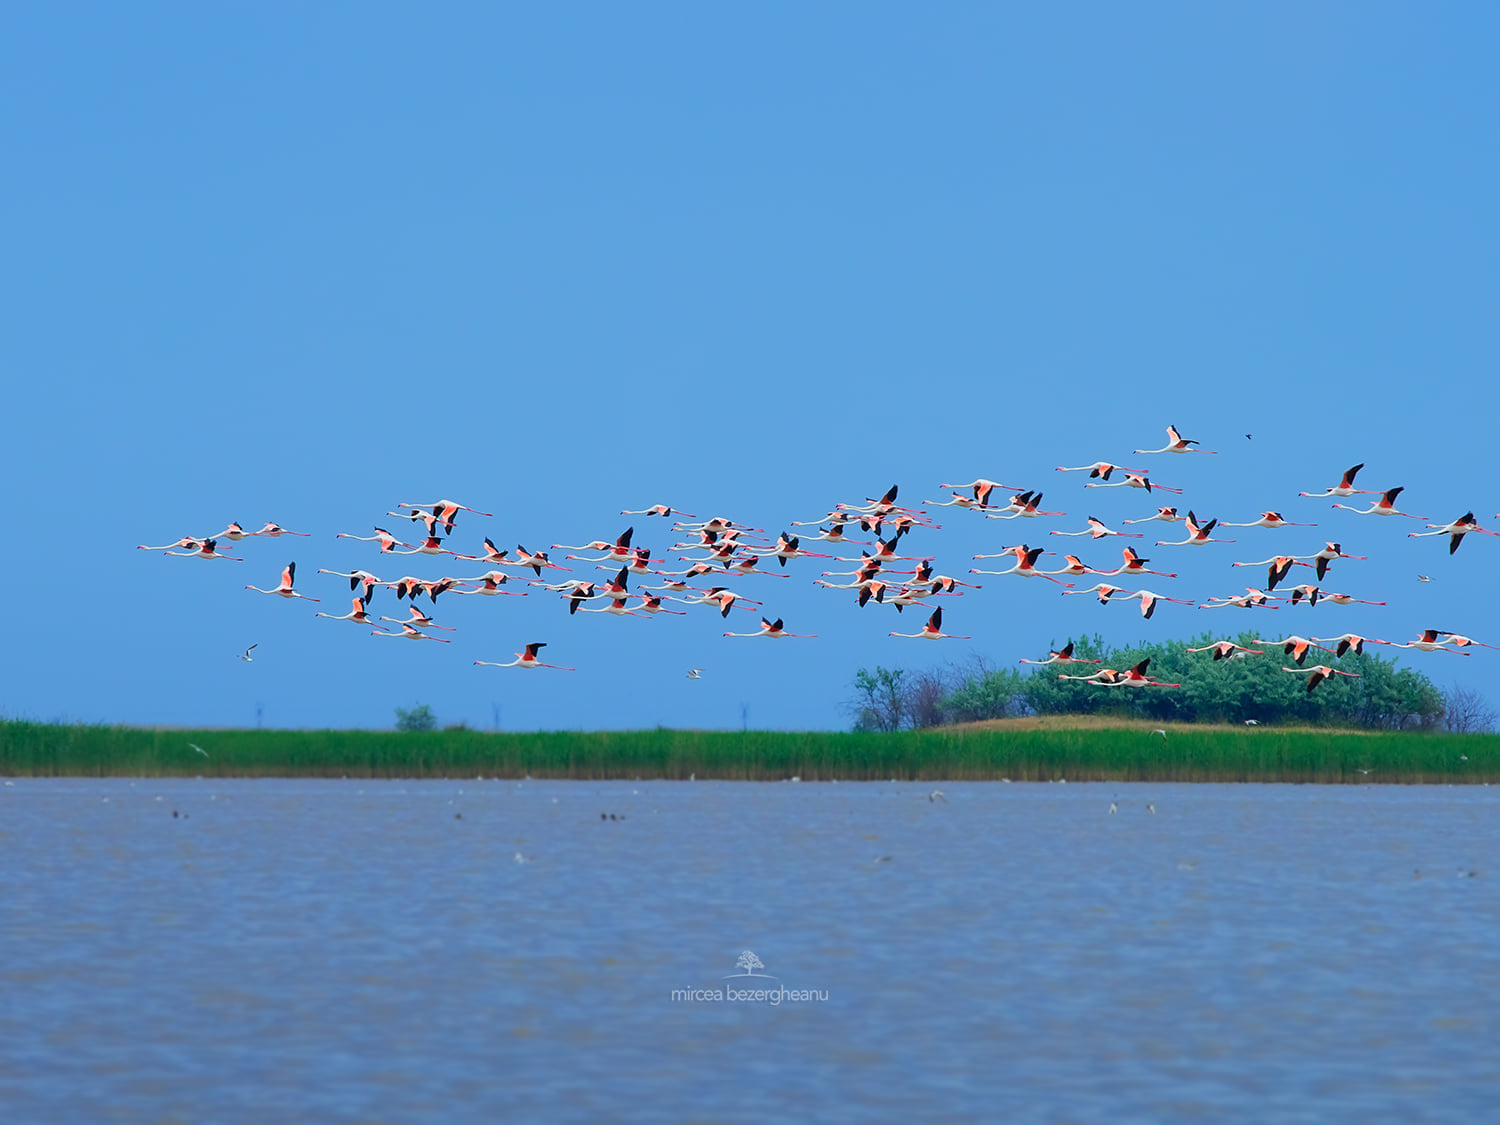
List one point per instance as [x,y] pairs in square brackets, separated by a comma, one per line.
[361,951]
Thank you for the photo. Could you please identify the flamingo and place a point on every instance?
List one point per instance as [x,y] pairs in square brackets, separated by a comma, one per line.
[489,585]
[1076,568]
[276,531]
[1025,508]
[788,547]
[652,604]
[1269,519]
[1134,564]
[959,501]
[526,659]
[933,630]
[1176,443]
[748,566]
[387,541]
[697,570]
[1280,567]
[492,554]
[1428,642]
[524,558]
[885,505]
[1098,470]
[1345,486]
[1136,480]
[187,542]
[657,510]
[432,545]
[1458,529]
[1098,530]
[410,634]
[874,590]
[1026,566]
[1136,676]
[234,533]
[771,629]
[835,517]
[923,573]
[359,614]
[1103,676]
[1347,641]
[1317,674]
[1458,640]
[1331,551]
[1104,590]
[981,487]
[1198,534]
[1294,646]
[835,534]
[288,576]
[1298,593]
[1063,655]
[1166,515]
[722,597]
[443,511]
[357,578]
[1385,506]
[1250,599]
[204,550]
[1345,599]
[1226,650]
[1149,601]
[616,606]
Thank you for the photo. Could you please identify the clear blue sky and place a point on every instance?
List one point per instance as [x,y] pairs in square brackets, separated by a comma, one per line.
[302,263]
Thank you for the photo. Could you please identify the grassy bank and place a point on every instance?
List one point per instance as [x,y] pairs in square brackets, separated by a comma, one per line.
[1021,750]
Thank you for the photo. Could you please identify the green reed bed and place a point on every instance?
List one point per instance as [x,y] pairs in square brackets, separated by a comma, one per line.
[1095,754]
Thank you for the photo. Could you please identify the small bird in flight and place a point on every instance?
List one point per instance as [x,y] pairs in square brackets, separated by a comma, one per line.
[198,748]
[695,673]
[1424,578]
[245,656]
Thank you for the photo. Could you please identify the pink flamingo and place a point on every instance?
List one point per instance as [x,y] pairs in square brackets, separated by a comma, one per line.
[1385,506]
[1166,515]
[410,634]
[1134,564]
[359,615]
[387,541]
[1104,590]
[1294,646]
[1025,566]
[982,489]
[418,618]
[1149,601]
[1136,480]
[1176,443]
[1318,673]
[205,550]
[1198,534]
[1099,470]
[1063,655]
[1347,641]
[276,531]
[527,659]
[933,630]
[1428,642]
[285,589]
[357,578]
[1097,530]
[1227,650]
[1457,529]
[1345,486]
[771,629]
[1345,599]
[657,510]
[1269,519]
[187,542]
[1250,599]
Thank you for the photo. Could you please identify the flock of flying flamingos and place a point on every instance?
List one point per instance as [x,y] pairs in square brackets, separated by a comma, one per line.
[730,551]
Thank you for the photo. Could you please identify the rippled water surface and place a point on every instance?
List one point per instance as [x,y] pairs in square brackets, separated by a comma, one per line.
[357,950]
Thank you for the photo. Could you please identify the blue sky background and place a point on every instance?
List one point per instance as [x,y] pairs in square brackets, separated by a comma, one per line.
[301,263]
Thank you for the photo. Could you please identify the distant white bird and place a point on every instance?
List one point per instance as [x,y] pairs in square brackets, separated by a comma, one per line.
[937,795]
[1150,808]
[198,748]
[1113,808]
[1252,722]
[245,656]
[1159,731]
[695,673]
[1424,578]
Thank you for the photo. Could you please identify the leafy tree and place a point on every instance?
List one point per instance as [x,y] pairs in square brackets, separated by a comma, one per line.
[879,701]
[419,718]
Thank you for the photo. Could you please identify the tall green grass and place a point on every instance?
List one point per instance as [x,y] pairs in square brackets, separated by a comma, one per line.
[1112,754]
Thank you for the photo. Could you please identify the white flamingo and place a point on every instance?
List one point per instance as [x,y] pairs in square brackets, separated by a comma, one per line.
[1385,506]
[771,629]
[933,630]
[1345,486]
[1176,443]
